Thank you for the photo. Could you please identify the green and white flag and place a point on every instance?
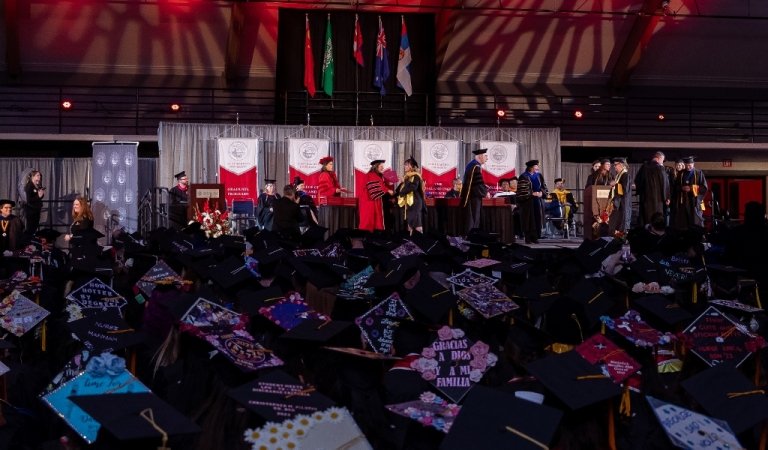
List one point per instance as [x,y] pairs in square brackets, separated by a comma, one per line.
[327,81]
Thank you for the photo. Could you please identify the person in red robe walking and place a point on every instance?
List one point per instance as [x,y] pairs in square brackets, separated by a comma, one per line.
[370,204]
[328,183]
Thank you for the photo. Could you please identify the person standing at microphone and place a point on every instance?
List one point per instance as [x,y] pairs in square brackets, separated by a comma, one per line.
[34,192]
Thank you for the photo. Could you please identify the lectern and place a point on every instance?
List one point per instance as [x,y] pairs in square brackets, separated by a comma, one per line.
[199,193]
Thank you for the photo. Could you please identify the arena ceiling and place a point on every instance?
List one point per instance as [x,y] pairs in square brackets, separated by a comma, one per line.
[483,46]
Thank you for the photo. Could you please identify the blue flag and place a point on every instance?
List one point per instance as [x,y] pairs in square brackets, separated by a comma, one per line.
[381,73]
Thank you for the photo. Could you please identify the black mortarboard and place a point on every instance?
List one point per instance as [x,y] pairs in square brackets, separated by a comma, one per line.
[297,181]
[619,160]
[180,175]
[412,162]
[665,311]
[480,151]
[397,272]
[493,419]
[105,332]
[531,163]
[231,273]
[430,299]
[594,298]
[48,233]
[539,293]
[604,160]
[269,181]
[317,331]
[725,393]
[250,300]
[573,379]
[591,253]
[557,180]
[689,159]
[277,396]
[131,416]
[5,201]
[377,162]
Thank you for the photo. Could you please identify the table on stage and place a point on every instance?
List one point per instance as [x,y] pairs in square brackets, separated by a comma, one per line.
[443,214]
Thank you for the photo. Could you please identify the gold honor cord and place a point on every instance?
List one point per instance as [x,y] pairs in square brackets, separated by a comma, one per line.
[528,438]
[149,416]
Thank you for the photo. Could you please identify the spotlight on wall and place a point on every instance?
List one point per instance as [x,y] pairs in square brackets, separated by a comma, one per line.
[500,113]
[578,114]
[661,117]
[175,107]
[66,105]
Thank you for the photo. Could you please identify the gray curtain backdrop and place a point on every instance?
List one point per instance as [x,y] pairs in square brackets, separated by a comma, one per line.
[64,179]
[192,147]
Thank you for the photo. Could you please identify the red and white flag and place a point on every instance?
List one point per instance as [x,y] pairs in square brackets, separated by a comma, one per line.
[357,43]
[309,62]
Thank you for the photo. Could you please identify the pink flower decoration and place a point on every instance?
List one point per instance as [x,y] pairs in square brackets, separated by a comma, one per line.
[429,375]
[479,348]
[478,363]
[445,333]
[428,352]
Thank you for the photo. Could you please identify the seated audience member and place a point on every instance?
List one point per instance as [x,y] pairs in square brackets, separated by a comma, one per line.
[455,190]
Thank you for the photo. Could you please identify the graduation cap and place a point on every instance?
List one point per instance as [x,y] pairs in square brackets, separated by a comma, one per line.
[600,350]
[480,151]
[686,428]
[325,160]
[634,329]
[290,311]
[277,396]
[575,381]
[727,394]
[136,416]
[539,292]
[531,163]
[591,253]
[716,338]
[689,159]
[495,419]
[251,300]
[49,234]
[105,332]
[378,324]
[430,299]
[396,273]
[180,175]
[317,331]
[230,273]
[429,410]
[19,315]
[332,428]
[376,162]
[487,300]
[593,297]
[667,312]
[453,363]
[5,201]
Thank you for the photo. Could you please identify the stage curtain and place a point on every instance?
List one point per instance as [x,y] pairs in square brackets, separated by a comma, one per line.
[192,147]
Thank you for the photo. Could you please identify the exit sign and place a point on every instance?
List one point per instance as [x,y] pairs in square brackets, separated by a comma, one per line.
[727,163]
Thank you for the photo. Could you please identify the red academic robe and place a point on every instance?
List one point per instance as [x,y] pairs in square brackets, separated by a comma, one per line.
[327,184]
[370,206]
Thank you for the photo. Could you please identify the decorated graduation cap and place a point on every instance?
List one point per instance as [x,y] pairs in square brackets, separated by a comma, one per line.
[637,331]
[493,419]
[277,396]
[135,416]
[716,339]
[601,351]
[689,429]
[290,311]
[105,332]
[94,297]
[725,393]
[480,151]
[487,300]
[19,315]
[575,381]
[453,363]
[378,324]
[429,410]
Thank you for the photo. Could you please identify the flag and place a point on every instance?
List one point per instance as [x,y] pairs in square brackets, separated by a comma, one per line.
[357,44]
[327,81]
[309,62]
[404,61]
[381,73]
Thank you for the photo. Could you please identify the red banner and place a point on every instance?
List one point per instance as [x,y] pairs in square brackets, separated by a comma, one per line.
[439,159]
[238,171]
[311,181]
[435,186]
[239,186]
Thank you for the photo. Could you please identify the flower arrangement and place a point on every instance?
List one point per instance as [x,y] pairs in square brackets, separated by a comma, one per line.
[292,433]
[213,222]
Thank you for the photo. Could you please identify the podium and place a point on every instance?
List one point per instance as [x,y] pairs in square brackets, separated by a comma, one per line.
[200,193]
[596,199]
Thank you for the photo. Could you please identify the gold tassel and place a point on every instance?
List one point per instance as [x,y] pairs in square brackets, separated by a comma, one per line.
[695,293]
[757,296]
[602,328]
[43,336]
[625,407]
[132,361]
[450,317]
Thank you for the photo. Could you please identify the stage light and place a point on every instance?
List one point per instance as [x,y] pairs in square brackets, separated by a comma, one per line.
[500,113]
[66,105]
[175,107]
[578,114]
[661,117]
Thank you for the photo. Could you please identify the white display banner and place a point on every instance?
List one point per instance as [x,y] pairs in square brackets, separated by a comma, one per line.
[238,155]
[439,156]
[304,154]
[502,158]
[364,152]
